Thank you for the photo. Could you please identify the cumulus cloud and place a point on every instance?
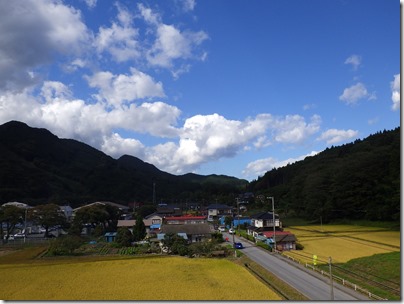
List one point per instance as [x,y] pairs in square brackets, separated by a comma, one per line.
[354,60]
[118,89]
[57,110]
[171,43]
[261,166]
[117,146]
[36,30]
[91,3]
[204,138]
[334,136]
[294,128]
[395,92]
[356,92]
[120,40]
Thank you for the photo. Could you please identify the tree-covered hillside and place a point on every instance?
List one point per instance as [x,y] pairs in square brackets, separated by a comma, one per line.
[360,180]
[37,167]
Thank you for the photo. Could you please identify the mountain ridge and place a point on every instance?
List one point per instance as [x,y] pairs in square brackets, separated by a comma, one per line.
[38,166]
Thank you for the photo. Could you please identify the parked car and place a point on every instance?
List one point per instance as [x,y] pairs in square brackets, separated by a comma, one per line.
[19,235]
[232,231]
[222,228]
[238,245]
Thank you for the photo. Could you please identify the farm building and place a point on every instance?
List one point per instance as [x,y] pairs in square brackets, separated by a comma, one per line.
[110,237]
[242,220]
[285,240]
[194,232]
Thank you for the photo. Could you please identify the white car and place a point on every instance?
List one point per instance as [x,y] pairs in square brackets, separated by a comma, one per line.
[232,231]
[222,228]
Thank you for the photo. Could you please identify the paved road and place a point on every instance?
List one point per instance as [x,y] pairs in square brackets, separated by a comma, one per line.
[309,285]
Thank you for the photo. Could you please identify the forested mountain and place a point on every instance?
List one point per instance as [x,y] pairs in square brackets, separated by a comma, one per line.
[37,167]
[359,180]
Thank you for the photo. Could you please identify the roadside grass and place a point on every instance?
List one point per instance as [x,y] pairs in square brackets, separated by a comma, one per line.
[379,273]
[126,278]
[284,290]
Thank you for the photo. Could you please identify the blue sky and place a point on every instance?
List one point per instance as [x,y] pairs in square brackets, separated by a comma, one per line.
[212,87]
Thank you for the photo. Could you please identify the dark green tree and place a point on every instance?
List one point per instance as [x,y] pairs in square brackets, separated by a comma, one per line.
[123,237]
[94,215]
[228,221]
[139,230]
[175,244]
[11,216]
[145,210]
[47,216]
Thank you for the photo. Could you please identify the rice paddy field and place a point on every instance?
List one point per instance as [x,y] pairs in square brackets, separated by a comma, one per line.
[147,278]
[343,242]
[367,256]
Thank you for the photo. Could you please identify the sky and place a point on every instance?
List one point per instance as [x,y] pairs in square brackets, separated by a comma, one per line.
[231,87]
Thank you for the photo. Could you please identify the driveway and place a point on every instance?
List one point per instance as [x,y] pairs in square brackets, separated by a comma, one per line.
[312,286]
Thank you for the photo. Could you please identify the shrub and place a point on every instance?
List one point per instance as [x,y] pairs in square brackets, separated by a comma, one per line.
[123,237]
[299,246]
[65,245]
[263,245]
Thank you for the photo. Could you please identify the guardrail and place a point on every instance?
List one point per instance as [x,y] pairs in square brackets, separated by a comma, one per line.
[344,282]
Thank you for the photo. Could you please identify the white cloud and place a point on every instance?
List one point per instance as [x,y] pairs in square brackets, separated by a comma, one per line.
[356,92]
[121,39]
[171,43]
[36,31]
[201,138]
[148,15]
[334,136]
[204,138]
[118,89]
[91,3]
[395,92]
[117,146]
[189,5]
[261,166]
[354,60]
[56,110]
[294,129]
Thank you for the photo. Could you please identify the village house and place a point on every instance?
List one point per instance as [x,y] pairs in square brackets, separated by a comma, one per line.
[285,240]
[123,209]
[151,229]
[263,221]
[215,211]
[185,219]
[156,221]
[194,232]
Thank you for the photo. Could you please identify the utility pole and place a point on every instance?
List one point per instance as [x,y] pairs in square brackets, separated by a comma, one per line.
[238,216]
[25,224]
[331,283]
[273,220]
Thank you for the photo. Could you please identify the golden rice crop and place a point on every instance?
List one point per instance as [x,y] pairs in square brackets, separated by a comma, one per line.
[172,278]
[343,242]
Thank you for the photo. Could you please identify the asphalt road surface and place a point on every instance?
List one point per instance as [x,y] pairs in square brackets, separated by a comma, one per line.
[311,286]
